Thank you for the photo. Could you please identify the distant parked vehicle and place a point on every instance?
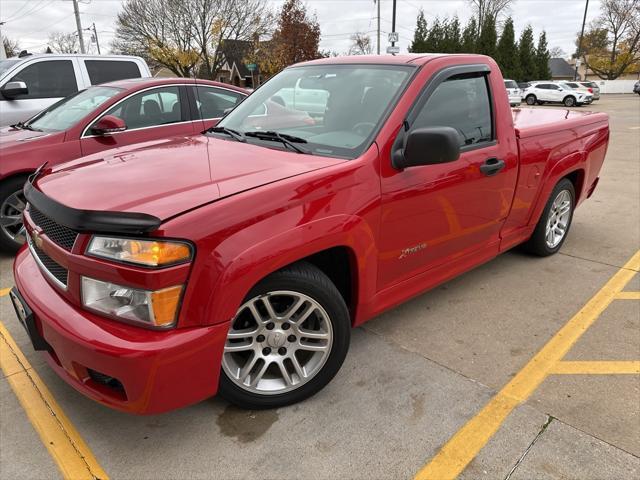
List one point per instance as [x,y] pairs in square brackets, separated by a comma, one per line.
[523,85]
[513,92]
[636,87]
[549,92]
[593,88]
[106,116]
[577,86]
[31,83]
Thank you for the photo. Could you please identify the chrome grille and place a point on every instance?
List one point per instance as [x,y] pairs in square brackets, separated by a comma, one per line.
[53,269]
[59,234]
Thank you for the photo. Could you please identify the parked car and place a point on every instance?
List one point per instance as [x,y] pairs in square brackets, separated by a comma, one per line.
[578,87]
[593,88]
[31,83]
[636,87]
[237,262]
[548,92]
[513,93]
[523,85]
[111,115]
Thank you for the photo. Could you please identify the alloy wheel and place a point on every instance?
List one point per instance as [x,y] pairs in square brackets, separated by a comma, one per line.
[11,216]
[558,219]
[277,342]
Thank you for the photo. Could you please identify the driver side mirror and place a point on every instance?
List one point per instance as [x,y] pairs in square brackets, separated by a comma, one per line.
[428,146]
[108,125]
[13,89]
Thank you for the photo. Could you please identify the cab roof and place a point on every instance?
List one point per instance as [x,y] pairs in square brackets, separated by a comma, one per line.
[403,59]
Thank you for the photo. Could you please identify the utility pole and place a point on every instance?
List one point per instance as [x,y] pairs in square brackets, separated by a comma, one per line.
[76,11]
[584,20]
[3,52]
[378,2]
[95,35]
[393,21]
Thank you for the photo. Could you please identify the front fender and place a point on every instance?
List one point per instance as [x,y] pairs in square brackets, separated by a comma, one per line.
[252,262]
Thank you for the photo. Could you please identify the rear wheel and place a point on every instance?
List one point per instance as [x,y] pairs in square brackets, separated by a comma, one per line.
[553,226]
[531,99]
[288,340]
[12,203]
[569,101]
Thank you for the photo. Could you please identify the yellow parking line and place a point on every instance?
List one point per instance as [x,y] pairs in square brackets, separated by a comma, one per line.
[463,447]
[628,296]
[5,291]
[74,458]
[596,368]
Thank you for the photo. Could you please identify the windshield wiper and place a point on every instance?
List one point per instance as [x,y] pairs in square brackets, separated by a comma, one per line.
[24,126]
[287,140]
[232,133]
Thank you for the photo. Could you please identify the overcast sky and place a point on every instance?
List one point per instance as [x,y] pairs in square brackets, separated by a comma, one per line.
[31,21]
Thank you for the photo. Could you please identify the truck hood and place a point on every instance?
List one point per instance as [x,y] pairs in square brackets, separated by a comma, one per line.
[166,177]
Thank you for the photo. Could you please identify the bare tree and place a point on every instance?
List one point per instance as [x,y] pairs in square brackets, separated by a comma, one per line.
[183,35]
[611,45]
[11,46]
[61,42]
[483,9]
[361,44]
[557,52]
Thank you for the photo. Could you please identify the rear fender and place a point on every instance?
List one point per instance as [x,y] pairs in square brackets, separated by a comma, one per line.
[254,262]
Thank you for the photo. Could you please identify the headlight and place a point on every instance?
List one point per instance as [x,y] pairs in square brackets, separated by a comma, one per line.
[150,253]
[153,309]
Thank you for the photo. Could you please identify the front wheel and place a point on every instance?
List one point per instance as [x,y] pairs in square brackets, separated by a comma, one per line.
[288,340]
[12,203]
[553,226]
[569,101]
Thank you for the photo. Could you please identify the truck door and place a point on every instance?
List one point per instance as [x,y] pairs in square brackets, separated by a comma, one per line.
[434,214]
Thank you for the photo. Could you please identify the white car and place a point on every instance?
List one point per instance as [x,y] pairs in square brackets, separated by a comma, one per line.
[513,92]
[577,86]
[549,92]
[31,83]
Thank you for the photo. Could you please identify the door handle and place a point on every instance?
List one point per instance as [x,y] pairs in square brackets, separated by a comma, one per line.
[492,166]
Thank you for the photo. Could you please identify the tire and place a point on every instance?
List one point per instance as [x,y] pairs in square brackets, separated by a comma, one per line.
[300,282]
[11,205]
[538,244]
[530,99]
[569,101]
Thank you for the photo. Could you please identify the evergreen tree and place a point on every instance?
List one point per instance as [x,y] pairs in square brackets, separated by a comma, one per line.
[527,55]
[469,35]
[419,43]
[452,43]
[435,37]
[488,37]
[542,57]
[507,52]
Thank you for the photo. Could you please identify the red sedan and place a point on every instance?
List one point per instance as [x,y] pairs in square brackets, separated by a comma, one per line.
[102,117]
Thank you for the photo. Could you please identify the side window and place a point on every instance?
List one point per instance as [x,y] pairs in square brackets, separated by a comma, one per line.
[212,102]
[160,106]
[542,86]
[102,71]
[48,79]
[553,87]
[463,103]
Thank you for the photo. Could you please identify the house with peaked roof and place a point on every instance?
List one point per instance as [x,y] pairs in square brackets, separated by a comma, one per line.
[560,69]
[234,69]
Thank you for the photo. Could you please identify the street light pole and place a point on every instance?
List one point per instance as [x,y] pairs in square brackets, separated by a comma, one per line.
[393,21]
[584,20]
[76,11]
[378,2]
[95,35]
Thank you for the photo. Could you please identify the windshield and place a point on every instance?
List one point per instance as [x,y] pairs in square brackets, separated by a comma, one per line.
[68,111]
[7,64]
[333,109]
[510,84]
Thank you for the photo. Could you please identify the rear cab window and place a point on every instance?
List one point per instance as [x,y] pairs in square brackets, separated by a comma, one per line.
[102,71]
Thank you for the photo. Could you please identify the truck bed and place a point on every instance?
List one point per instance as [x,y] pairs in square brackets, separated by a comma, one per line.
[529,122]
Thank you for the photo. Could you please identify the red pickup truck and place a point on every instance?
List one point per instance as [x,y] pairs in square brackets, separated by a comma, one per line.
[237,261]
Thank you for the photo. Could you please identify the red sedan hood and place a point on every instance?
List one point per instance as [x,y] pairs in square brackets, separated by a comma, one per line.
[23,139]
[166,177]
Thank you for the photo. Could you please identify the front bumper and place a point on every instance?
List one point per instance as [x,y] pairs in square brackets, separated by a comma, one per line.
[122,366]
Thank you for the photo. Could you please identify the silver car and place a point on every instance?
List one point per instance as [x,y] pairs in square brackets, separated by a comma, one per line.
[593,88]
[31,83]
[577,86]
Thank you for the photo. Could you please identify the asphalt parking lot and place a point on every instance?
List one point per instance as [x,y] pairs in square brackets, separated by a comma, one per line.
[522,368]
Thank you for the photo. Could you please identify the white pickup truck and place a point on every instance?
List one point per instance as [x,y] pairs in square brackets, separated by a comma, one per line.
[31,83]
